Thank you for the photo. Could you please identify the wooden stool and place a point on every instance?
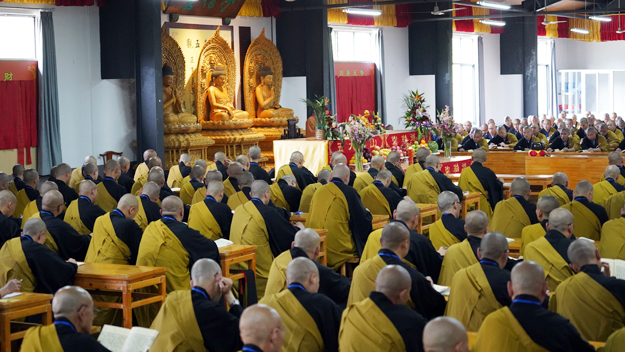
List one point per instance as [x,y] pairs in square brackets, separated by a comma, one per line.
[355,260]
[24,305]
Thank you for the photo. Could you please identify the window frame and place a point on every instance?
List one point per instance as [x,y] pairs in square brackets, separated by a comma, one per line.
[30,13]
[372,31]
[474,64]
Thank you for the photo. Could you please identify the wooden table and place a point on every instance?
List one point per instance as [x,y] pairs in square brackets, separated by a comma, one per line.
[122,280]
[473,336]
[22,306]
[515,248]
[234,254]
[426,210]
[323,252]
[471,198]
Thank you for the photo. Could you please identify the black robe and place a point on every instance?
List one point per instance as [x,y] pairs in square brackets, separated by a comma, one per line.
[70,243]
[72,341]
[331,283]
[587,143]
[165,192]
[151,209]
[88,212]
[422,254]
[325,313]
[567,191]
[401,191]
[31,193]
[184,169]
[523,144]
[546,328]
[96,181]
[50,270]
[126,181]
[554,136]
[219,327]
[621,146]
[115,190]
[69,194]
[559,143]
[8,229]
[283,212]
[359,217]
[223,169]
[498,140]
[399,174]
[428,303]
[259,173]
[222,214]
[615,286]
[445,184]
[530,209]
[19,184]
[597,209]
[391,196]
[196,184]
[193,241]
[498,280]
[581,133]
[281,232]
[409,324]
[617,186]
[475,243]
[490,183]
[455,225]
[303,176]
[292,195]
[560,243]
[469,145]
[129,232]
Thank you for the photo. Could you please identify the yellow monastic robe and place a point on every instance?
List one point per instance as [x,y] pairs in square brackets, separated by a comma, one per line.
[621,179]
[557,192]
[141,218]
[307,194]
[139,183]
[30,209]
[199,195]
[614,204]
[363,180]
[248,228]
[72,217]
[229,188]
[375,201]
[22,202]
[440,237]
[142,169]
[105,246]
[329,210]
[76,178]
[471,300]
[543,139]
[556,268]
[615,342]
[619,134]
[364,327]
[285,170]
[50,242]
[201,219]
[502,332]
[105,200]
[422,188]
[186,193]
[413,169]
[174,179]
[237,199]
[470,183]
[602,191]
[603,143]
[592,309]
[278,198]
[612,139]
[458,256]
[509,218]
[301,331]
[613,239]
[13,188]
[42,339]
[373,246]
[363,282]
[586,222]
[13,265]
[177,325]
[277,274]
[530,234]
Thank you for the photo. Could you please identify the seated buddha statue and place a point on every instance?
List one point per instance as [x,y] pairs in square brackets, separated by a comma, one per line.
[173,114]
[216,97]
[267,107]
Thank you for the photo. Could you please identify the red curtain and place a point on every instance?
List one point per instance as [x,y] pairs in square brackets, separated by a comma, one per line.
[404,17]
[496,29]
[608,29]
[271,8]
[359,19]
[354,95]
[18,113]
[463,25]
[78,2]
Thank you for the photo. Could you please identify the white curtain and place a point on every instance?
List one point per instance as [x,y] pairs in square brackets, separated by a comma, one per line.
[553,79]
[480,72]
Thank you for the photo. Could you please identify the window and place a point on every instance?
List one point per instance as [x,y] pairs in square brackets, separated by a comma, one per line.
[20,43]
[465,83]
[543,53]
[354,44]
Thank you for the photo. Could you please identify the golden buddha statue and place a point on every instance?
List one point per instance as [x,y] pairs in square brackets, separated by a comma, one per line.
[216,97]
[174,117]
[267,106]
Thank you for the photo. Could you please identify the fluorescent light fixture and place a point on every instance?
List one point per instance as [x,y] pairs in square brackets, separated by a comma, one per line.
[580,30]
[493,23]
[600,18]
[494,5]
[363,12]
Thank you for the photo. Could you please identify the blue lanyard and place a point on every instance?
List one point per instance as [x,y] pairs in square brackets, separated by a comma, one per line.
[378,183]
[27,237]
[297,286]
[519,197]
[47,212]
[247,349]
[28,187]
[85,198]
[337,182]
[254,164]
[200,292]
[110,179]
[119,212]
[66,324]
[293,164]
[527,301]
[169,218]
[489,262]
[430,168]
[609,179]
[194,179]
[580,198]
[88,178]
[389,255]
[256,200]
[449,214]
[144,197]
[211,198]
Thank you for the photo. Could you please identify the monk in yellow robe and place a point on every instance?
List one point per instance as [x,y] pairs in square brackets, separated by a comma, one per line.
[589,216]
[608,187]
[195,182]
[591,300]
[421,153]
[154,161]
[610,137]
[89,172]
[242,196]
[261,329]
[143,168]
[212,218]
[445,334]
[258,224]
[9,228]
[545,205]
[482,180]
[28,193]
[337,208]
[594,142]
[172,244]
[231,184]
[425,186]
[340,158]
[61,175]
[502,139]
[482,288]
[613,238]
[616,159]
[526,325]
[78,173]
[17,184]
[109,191]
[559,188]
[378,197]
[366,178]
[180,171]
[73,315]
[34,207]
[284,193]
[541,137]
[194,320]
[148,209]
[382,321]
[476,141]
[83,212]
[550,251]
[311,320]
[464,254]
[513,214]
[296,168]
[564,142]
[449,229]
[323,177]
[615,342]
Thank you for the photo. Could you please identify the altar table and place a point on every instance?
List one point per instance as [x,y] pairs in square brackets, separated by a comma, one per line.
[122,280]
[24,305]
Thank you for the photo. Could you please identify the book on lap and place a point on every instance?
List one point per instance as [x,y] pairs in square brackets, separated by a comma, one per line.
[118,339]
[617,267]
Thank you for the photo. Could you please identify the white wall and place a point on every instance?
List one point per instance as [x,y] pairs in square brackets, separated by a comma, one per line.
[574,54]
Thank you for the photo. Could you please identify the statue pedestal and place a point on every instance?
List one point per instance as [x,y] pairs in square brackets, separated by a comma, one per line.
[232,142]
[193,144]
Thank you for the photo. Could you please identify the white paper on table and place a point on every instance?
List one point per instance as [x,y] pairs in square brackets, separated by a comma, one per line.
[14,294]
[510,240]
[222,242]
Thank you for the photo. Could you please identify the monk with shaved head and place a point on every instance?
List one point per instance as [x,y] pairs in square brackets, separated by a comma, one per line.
[170,243]
[383,321]
[261,329]
[211,217]
[379,197]
[83,212]
[143,167]
[445,334]
[589,215]
[149,210]
[28,193]
[8,227]
[178,172]
[254,153]
[340,158]
[61,176]
[34,207]
[480,179]
[17,184]
[305,313]
[527,325]
[196,181]
[512,215]
[424,186]
[609,185]
[284,193]
[244,183]
[545,205]
[338,208]
[154,162]
[421,153]
[78,173]
[109,191]
[296,168]
[195,320]
[307,245]
[323,177]
[231,184]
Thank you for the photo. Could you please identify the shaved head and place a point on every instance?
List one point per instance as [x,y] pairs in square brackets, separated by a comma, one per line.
[123,161]
[393,157]
[615,158]
[4,178]
[156,175]
[18,170]
[127,201]
[583,189]
[149,153]
[308,240]
[204,271]
[185,158]
[85,187]
[528,277]
[547,204]
[384,175]
[560,178]
[300,269]
[155,161]
[220,156]
[171,205]
[70,302]
[494,245]
[61,169]
[254,152]
[52,200]
[245,179]
[259,188]
[34,226]
[196,172]
[324,174]
[47,186]
[560,219]
[582,252]
[340,171]
[235,169]
[6,197]
[111,166]
[339,159]
[31,176]
[377,162]
[89,168]
[296,157]
[432,160]
[214,188]
[257,325]
[476,222]
[392,279]
[479,155]
[151,189]
[201,162]
[215,175]
[242,159]
[520,186]
[422,154]
[393,235]
[612,172]
[443,334]
[406,210]
[446,200]
[89,159]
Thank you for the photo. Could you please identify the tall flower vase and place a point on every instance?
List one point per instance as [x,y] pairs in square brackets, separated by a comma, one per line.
[320,133]
[447,142]
[358,157]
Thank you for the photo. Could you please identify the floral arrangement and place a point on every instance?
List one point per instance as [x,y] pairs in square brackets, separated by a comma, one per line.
[378,125]
[445,124]
[359,134]
[416,116]
[324,118]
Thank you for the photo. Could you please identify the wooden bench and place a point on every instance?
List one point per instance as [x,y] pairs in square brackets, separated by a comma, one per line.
[323,252]
[24,305]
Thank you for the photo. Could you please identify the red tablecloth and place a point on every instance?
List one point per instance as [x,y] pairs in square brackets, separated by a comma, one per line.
[384,141]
